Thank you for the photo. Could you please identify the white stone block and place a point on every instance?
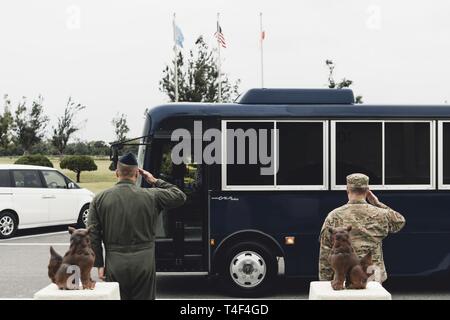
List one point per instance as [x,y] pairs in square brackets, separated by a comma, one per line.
[102,291]
[322,290]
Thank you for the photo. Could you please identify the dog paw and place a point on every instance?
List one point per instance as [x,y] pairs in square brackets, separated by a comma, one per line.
[337,285]
[89,286]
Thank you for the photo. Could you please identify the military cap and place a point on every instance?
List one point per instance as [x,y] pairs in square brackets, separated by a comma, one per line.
[358,180]
[129,159]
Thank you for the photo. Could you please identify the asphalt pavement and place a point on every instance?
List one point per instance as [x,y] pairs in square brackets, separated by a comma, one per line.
[24,259]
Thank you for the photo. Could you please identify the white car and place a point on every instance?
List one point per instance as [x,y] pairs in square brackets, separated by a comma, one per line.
[33,196]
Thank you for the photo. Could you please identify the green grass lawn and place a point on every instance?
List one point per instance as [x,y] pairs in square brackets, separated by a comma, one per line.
[95,181]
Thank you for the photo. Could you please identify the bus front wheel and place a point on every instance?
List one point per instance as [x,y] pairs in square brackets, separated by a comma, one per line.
[249,269]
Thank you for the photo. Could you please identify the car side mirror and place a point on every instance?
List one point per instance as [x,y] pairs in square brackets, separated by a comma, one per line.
[71,185]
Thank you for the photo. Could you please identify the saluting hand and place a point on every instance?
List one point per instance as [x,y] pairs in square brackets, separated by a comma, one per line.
[147,176]
[372,199]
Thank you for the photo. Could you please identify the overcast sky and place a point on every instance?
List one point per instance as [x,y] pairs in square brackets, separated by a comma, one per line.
[111,58]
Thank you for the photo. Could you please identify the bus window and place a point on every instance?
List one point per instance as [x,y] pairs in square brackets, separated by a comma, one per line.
[247,170]
[407,153]
[366,138]
[446,152]
[300,153]
[185,176]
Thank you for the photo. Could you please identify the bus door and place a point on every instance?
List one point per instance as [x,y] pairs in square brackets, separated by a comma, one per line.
[180,235]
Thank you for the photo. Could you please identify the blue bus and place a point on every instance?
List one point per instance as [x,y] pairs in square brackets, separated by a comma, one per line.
[249,228]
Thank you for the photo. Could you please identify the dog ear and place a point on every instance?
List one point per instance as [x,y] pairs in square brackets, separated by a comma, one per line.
[349,228]
[71,230]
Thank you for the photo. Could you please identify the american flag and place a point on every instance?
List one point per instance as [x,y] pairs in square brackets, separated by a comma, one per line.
[220,37]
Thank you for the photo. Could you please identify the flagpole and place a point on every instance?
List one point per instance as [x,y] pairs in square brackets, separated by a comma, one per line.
[262,49]
[219,63]
[175,49]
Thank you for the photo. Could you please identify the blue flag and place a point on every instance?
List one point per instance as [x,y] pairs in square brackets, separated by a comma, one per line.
[178,36]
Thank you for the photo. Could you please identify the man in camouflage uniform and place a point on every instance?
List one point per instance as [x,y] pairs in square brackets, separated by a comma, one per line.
[124,219]
[371,222]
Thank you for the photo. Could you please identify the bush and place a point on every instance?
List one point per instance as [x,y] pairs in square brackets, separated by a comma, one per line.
[35,160]
[11,151]
[78,164]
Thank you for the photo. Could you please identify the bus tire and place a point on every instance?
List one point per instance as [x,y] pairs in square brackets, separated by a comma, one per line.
[249,269]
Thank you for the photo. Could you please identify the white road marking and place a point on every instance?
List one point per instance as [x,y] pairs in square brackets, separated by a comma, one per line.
[33,244]
[180,273]
[34,236]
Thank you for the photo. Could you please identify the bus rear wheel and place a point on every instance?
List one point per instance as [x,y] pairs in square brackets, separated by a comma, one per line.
[249,269]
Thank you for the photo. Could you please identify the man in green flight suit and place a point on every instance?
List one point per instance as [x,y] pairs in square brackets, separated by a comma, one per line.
[124,218]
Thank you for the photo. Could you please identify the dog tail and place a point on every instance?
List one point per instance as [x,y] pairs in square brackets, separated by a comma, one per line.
[54,264]
[366,261]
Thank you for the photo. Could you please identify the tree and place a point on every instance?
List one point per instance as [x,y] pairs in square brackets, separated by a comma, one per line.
[78,164]
[121,128]
[344,83]
[92,148]
[29,126]
[6,121]
[35,160]
[66,125]
[197,77]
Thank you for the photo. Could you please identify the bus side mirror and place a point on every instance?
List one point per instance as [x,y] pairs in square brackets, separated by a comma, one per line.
[71,185]
[114,157]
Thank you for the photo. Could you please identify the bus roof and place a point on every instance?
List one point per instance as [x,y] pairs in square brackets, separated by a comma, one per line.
[322,111]
[297,103]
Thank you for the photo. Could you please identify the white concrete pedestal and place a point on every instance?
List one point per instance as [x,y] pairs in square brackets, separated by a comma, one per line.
[322,290]
[102,291]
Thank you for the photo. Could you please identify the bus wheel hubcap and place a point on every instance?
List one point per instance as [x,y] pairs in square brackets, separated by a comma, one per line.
[248,269]
[6,225]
